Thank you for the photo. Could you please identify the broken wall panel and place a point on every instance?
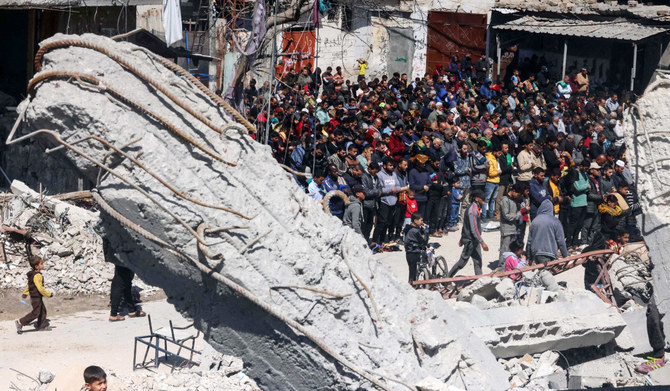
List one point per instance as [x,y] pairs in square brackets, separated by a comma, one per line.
[513,331]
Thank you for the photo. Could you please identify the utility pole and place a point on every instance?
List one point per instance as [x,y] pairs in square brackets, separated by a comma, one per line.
[272,71]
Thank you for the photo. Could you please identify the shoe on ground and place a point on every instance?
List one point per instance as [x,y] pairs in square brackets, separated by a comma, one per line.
[651,364]
[19,328]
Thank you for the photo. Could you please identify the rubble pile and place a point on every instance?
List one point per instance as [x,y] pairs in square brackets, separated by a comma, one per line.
[239,248]
[647,151]
[63,236]
[217,372]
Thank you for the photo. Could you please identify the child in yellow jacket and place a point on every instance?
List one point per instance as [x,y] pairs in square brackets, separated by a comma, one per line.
[35,288]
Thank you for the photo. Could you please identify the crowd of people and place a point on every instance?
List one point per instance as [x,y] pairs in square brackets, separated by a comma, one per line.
[452,150]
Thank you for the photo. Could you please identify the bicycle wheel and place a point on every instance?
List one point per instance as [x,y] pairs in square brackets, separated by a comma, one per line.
[441,267]
[423,274]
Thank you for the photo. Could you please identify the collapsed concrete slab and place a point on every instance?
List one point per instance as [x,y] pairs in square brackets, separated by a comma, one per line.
[583,320]
[647,151]
[291,291]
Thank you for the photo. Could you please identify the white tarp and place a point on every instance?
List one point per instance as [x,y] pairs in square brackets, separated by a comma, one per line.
[172,21]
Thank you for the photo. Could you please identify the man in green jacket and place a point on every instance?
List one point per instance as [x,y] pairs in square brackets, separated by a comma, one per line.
[579,189]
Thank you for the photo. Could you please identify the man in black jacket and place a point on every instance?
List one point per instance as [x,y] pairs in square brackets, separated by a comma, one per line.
[373,191]
[594,198]
[416,240]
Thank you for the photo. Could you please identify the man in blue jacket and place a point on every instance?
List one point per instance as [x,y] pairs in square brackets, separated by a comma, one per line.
[546,237]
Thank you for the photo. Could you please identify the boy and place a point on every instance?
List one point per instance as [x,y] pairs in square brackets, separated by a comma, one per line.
[415,241]
[411,207]
[456,198]
[36,290]
[95,379]
[514,259]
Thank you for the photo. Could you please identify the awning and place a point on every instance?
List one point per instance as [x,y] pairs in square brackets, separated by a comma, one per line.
[619,29]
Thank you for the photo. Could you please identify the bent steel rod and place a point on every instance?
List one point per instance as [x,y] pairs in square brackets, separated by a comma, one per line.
[74,149]
[101,86]
[156,176]
[516,271]
[126,64]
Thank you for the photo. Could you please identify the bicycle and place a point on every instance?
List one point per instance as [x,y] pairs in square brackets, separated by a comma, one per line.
[431,266]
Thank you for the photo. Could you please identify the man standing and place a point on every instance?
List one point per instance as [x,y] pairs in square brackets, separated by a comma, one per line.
[546,237]
[510,218]
[538,191]
[582,80]
[492,183]
[353,213]
[593,199]
[579,190]
[471,237]
[401,205]
[463,171]
[386,212]
[373,190]
[480,166]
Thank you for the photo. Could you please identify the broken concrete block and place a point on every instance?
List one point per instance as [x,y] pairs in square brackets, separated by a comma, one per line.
[584,320]
[506,289]
[516,382]
[430,335]
[479,302]
[485,287]
[45,377]
[548,296]
[431,384]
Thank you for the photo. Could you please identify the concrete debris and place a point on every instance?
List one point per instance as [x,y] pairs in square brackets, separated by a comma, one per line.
[615,370]
[288,244]
[583,320]
[484,287]
[188,379]
[647,149]
[45,377]
[630,274]
[180,379]
[66,240]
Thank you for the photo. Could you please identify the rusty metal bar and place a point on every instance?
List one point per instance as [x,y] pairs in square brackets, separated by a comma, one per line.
[550,265]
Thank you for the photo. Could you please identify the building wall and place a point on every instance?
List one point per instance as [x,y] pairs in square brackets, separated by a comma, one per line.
[419,16]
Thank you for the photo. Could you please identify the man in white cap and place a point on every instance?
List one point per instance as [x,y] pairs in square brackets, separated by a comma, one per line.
[438,111]
[594,198]
[621,174]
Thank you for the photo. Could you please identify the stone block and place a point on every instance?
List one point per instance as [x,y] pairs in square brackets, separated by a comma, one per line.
[582,321]
[485,287]
[506,289]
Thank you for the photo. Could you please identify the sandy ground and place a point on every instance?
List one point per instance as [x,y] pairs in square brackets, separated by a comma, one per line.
[79,339]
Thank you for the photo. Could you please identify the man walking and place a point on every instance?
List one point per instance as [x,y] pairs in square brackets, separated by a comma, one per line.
[471,235]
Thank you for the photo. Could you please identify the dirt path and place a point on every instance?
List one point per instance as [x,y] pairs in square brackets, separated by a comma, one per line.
[78,338]
[12,308]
